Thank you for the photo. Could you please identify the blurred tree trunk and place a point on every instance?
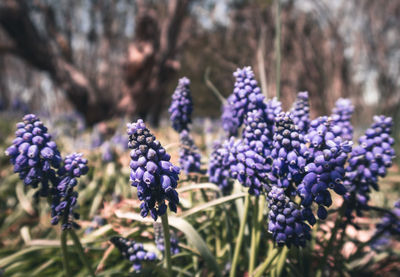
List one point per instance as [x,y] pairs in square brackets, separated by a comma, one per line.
[149,65]
[151,59]
[39,52]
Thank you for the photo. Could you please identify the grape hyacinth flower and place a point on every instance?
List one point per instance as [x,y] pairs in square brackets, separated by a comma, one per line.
[256,133]
[181,106]
[219,167]
[247,166]
[341,116]
[189,156]
[288,154]
[64,198]
[301,112]
[286,222]
[153,174]
[246,94]
[367,163]
[34,154]
[159,239]
[230,123]
[391,221]
[133,251]
[325,166]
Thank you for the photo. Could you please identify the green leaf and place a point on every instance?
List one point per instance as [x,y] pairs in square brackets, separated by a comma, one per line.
[213,203]
[191,234]
[209,186]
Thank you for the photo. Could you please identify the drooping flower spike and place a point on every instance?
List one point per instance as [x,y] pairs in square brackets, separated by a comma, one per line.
[181,106]
[34,154]
[133,251]
[152,172]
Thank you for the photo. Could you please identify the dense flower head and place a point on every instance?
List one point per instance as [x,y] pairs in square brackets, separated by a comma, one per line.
[159,239]
[325,166]
[288,154]
[341,117]
[219,167]
[133,251]
[230,123]
[189,155]
[368,162]
[256,133]
[272,109]
[246,94]
[181,106]
[153,174]
[285,219]
[301,112]
[64,198]
[34,154]
[247,166]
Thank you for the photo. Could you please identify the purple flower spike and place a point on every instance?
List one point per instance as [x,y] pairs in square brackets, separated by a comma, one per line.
[133,251]
[301,112]
[189,155]
[325,166]
[341,117]
[34,155]
[219,167]
[286,222]
[367,163]
[155,177]
[181,106]
[64,198]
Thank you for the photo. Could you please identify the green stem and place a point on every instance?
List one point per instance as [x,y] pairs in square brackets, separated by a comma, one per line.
[260,218]
[65,253]
[81,254]
[167,244]
[282,260]
[278,47]
[267,262]
[239,239]
[254,232]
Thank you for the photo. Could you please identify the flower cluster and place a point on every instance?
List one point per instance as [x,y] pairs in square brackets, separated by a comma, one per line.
[133,251]
[181,106]
[246,95]
[367,162]
[34,155]
[301,112]
[219,167]
[64,198]
[257,133]
[341,117]
[286,222]
[189,156]
[247,166]
[325,166]
[159,239]
[230,123]
[288,154]
[152,172]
